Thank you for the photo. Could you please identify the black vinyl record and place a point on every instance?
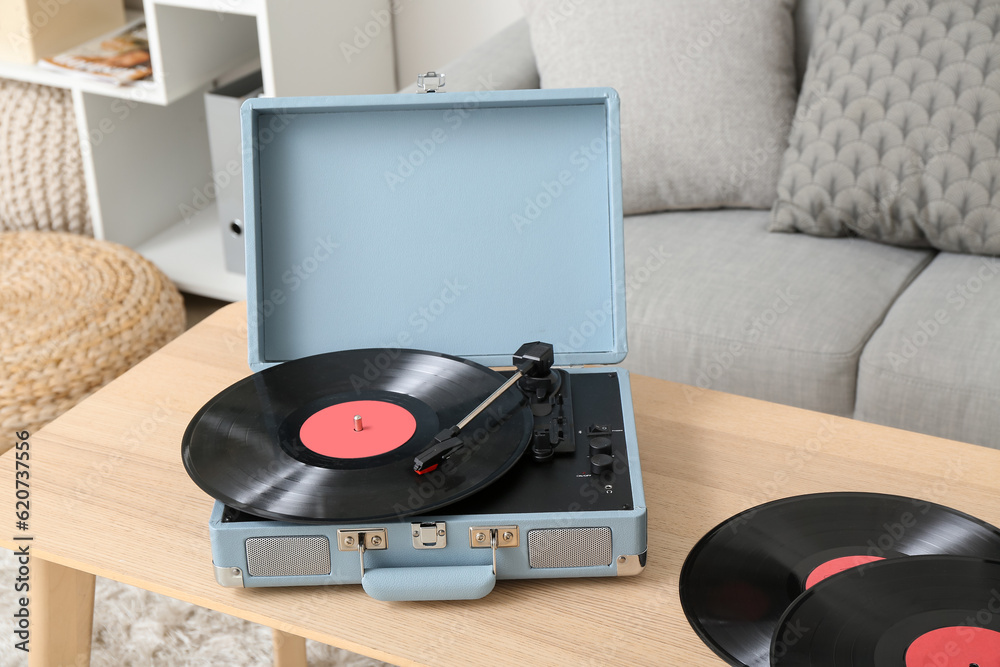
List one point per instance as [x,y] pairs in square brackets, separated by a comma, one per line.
[740,578]
[908,612]
[245,446]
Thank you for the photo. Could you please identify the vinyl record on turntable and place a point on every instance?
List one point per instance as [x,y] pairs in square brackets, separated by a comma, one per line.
[908,612]
[333,437]
[741,577]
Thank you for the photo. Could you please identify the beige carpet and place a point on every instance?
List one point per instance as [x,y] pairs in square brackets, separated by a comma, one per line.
[136,627]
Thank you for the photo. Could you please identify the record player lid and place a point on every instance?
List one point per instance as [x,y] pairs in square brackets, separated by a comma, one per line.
[464,223]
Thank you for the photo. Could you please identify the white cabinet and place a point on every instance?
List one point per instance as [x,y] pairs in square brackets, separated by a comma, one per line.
[145,147]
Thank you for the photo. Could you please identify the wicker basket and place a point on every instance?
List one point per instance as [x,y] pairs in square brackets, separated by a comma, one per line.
[74,314]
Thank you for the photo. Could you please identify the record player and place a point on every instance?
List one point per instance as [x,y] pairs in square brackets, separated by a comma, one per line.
[397,247]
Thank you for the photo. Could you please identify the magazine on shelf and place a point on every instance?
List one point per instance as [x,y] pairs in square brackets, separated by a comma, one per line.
[121,57]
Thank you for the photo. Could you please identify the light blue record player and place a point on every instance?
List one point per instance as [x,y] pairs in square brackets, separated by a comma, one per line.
[467,224]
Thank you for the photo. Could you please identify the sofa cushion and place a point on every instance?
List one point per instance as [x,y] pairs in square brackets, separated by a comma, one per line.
[717,302]
[897,133]
[932,364]
[707,91]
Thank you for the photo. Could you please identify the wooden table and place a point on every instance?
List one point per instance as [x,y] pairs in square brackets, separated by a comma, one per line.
[111,498]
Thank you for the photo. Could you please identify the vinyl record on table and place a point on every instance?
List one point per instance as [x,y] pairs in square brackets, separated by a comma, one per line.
[282,443]
[740,577]
[907,612]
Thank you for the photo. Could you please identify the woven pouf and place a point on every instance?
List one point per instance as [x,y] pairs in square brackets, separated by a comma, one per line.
[74,314]
[41,167]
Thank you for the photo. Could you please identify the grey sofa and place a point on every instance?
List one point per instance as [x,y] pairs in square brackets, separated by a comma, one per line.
[901,337]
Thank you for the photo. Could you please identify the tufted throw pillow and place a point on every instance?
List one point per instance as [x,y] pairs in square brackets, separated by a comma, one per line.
[898,126]
[707,91]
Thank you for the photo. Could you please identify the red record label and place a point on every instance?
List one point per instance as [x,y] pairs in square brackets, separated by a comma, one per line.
[334,431]
[836,566]
[960,645]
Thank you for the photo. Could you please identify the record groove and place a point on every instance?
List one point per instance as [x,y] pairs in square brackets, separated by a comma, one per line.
[244,447]
[740,578]
[872,617]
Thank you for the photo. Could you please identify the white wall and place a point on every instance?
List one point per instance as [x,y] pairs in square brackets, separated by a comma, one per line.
[432,33]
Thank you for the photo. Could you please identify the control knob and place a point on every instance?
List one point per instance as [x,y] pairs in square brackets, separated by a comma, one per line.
[600,463]
[600,445]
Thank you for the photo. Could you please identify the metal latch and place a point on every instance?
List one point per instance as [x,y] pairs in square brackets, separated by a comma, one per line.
[423,86]
[494,537]
[429,535]
[361,540]
[507,536]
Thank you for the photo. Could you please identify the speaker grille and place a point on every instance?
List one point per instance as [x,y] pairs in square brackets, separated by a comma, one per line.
[569,547]
[288,556]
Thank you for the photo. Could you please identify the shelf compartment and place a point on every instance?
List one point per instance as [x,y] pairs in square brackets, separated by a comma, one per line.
[190,253]
[189,48]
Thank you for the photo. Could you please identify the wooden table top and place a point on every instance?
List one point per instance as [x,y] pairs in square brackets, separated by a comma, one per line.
[111,497]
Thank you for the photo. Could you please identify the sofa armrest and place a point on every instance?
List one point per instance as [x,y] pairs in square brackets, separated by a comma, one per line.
[503,62]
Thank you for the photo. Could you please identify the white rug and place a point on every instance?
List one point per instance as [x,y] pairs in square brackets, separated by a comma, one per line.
[136,627]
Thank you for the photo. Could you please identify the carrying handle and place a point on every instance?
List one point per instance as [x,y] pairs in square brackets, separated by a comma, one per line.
[455,582]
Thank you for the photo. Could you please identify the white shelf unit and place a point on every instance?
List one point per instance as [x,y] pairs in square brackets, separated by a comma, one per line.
[145,147]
